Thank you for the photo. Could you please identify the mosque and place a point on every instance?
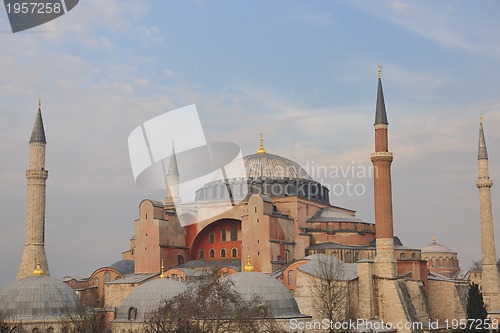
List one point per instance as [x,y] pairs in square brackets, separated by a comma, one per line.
[269,244]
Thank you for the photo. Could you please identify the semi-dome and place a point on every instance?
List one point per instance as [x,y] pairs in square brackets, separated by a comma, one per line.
[275,296]
[436,248]
[147,298]
[38,297]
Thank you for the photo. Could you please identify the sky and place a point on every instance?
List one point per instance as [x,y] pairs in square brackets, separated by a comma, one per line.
[304,73]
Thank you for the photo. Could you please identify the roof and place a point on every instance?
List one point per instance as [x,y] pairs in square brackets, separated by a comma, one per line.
[38,133]
[124,267]
[148,297]
[210,264]
[482,153]
[380,114]
[273,294]
[264,166]
[321,265]
[133,278]
[436,248]
[333,214]
[38,298]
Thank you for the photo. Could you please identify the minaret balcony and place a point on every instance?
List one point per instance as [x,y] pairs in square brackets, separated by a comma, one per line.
[382,156]
[484,182]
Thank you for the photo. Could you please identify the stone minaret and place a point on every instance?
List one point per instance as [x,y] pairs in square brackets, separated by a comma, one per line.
[489,281]
[34,246]
[172,181]
[385,262]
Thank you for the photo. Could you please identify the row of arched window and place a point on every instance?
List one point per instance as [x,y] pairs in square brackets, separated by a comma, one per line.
[233,235]
[222,253]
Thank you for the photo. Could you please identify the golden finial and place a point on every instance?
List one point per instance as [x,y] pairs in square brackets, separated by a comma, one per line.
[162,275]
[248,267]
[261,148]
[38,270]
[433,239]
[481,118]
[379,71]
[39,103]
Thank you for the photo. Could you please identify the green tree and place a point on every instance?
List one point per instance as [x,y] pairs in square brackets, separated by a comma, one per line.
[476,308]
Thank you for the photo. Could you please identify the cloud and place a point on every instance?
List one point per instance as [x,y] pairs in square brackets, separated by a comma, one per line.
[438,23]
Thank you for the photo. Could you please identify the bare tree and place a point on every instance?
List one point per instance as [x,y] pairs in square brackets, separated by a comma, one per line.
[86,320]
[329,288]
[211,306]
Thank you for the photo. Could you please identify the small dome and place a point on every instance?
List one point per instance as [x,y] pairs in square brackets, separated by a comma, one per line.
[147,298]
[264,166]
[436,248]
[275,296]
[37,298]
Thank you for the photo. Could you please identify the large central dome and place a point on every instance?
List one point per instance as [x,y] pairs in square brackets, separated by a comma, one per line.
[262,173]
[264,165]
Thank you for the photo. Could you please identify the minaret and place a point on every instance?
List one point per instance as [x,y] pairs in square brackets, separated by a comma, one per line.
[385,262]
[172,181]
[34,246]
[489,280]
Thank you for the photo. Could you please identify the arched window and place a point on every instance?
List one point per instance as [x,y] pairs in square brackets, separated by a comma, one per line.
[96,282]
[347,257]
[212,253]
[211,238]
[401,256]
[234,232]
[35,330]
[180,259]
[287,255]
[132,313]
[414,255]
[222,253]
[223,235]
[291,277]
[107,277]
[234,252]
[50,330]
[202,254]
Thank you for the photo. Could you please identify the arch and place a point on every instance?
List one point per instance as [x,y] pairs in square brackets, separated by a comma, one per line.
[96,282]
[202,254]
[212,253]
[35,330]
[212,237]
[234,252]
[287,255]
[50,330]
[132,313]
[414,255]
[291,277]
[222,253]
[402,255]
[107,276]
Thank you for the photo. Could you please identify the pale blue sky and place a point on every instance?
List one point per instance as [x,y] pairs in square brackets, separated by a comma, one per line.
[304,73]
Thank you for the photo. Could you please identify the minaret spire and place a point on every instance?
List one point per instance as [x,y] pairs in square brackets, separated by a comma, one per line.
[482,153]
[489,279]
[172,180]
[385,262]
[380,114]
[34,245]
